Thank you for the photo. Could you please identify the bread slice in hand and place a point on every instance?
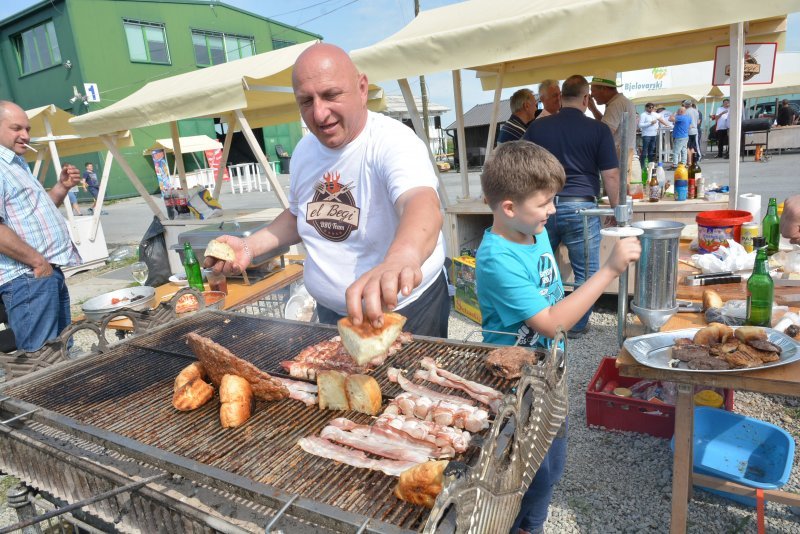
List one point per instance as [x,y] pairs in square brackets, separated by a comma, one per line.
[364,342]
[364,394]
[220,250]
[332,390]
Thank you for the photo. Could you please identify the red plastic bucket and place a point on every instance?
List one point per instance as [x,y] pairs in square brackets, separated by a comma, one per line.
[714,228]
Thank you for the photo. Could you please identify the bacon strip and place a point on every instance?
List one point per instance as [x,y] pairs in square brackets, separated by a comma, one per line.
[441,412]
[324,448]
[396,375]
[373,443]
[431,376]
[476,390]
[441,436]
[302,391]
[429,447]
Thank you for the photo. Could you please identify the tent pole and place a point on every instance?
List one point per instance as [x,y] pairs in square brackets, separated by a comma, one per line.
[735,128]
[262,159]
[498,88]
[37,166]
[101,195]
[45,167]
[57,161]
[223,160]
[176,149]
[462,141]
[112,148]
[405,88]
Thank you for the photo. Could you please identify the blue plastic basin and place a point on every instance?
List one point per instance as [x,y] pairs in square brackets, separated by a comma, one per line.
[740,449]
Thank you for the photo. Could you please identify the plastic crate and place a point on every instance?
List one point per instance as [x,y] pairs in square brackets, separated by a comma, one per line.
[630,414]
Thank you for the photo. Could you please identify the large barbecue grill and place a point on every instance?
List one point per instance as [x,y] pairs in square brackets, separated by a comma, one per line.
[106,420]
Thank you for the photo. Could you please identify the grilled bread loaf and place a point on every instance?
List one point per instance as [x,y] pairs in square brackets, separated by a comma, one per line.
[713,333]
[364,342]
[189,373]
[332,390]
[363,394]
[220,250]
[192,394]
[749,333]
[711,299]
[422,483]
[237,400]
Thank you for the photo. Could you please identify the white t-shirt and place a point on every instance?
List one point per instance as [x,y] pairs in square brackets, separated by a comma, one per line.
[344,202]
[695,116]
[723,118]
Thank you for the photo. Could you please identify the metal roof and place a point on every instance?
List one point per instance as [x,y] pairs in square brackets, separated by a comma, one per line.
[482,113]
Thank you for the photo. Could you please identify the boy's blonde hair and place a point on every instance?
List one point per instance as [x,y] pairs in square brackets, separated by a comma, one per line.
[517,170]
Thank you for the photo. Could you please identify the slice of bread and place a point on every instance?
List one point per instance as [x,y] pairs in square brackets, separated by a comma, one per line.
[332,390]
[363,342]
[220,250]
[364,394]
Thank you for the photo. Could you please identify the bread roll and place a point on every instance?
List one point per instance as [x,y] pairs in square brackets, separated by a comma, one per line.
[237,400]
[220,250]
[713,333]
[711,299]
[189,373]
[332,390]
[364,342]
[422,483]
[363,394]
[747,333]
[191,395]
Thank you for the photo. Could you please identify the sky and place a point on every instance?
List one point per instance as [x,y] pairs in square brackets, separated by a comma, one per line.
[354,24]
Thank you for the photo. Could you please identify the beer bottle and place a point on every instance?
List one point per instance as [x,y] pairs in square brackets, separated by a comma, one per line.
[654,188]
[692,175]
[699,183]
[645,174]
[192,267]
[770,227]
[760,288]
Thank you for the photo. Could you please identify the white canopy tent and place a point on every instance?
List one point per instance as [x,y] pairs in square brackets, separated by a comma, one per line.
[783,84]
[190,143]
[675,95]
[52,136]
[521,42]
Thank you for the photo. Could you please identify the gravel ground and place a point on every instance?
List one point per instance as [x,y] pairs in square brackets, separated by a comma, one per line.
[620,482]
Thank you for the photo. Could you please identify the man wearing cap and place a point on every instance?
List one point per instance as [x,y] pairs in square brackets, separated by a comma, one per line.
[523,110]
[550,97]
[723,123]
[694,117]
[604,91]
[585,148]
[648,124]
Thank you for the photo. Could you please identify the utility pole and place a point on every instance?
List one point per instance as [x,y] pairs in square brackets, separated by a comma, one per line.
[423,91]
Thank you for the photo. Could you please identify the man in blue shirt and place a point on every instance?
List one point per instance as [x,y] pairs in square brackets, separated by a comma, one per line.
[585,147]
[680,135]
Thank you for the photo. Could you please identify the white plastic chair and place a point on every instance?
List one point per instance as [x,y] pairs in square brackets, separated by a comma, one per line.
[262,180]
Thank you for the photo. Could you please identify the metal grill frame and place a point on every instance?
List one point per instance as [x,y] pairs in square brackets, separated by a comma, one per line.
[480,502]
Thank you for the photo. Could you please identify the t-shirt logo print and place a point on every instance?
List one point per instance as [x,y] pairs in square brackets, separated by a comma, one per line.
[332,211]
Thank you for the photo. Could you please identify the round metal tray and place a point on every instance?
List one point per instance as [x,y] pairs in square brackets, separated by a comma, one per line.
[134,298]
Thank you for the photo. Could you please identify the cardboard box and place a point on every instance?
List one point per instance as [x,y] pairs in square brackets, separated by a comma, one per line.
[466,298]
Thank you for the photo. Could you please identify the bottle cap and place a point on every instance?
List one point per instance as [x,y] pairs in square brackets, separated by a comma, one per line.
[759,242]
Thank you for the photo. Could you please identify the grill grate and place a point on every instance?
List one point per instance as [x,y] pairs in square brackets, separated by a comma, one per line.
[128,391]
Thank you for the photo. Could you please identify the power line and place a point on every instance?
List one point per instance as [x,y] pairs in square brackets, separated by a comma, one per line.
[300,9]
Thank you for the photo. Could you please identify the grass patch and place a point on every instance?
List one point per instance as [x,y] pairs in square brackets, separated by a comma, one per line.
[6,482]
[794,413]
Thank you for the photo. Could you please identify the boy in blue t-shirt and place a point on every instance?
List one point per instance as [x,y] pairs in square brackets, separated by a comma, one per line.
[519,285]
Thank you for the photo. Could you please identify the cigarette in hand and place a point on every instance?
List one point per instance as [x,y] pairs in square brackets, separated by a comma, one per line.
[29,147]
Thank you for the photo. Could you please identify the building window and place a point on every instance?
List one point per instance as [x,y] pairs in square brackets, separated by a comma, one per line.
[282,43]
[147,41]
[37,48]
[213,48]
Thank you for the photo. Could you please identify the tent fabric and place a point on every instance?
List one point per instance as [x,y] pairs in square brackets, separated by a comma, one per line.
[538,39]
[190,143]
[675,95]
[68,141]
[260,85]
[782,84]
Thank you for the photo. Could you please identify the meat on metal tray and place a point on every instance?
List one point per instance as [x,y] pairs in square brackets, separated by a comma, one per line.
[655,350]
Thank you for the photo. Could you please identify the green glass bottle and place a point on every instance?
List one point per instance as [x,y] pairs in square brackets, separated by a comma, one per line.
[770,227]
[760,288]
[645,174]
[192,267]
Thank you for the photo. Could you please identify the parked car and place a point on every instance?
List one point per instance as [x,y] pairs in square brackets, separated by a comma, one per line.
[766,110]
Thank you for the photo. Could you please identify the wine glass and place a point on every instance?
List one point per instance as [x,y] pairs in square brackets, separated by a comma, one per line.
[139,271]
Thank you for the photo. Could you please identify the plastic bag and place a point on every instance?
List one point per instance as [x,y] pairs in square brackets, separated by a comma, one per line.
[732,258]
[202,205]
[153,251]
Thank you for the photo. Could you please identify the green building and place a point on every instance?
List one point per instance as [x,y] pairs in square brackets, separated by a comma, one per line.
[50,50]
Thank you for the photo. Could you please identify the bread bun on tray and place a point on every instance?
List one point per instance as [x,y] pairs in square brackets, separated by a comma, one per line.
[749,333]
[236,396]
[713,333]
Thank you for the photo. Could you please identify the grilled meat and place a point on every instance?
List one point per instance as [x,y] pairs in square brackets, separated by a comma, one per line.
[709,363]
[739,359]
[481,393]
[322,447]
[684,341]
[762,355]
[764,345]
[507,362]
[689,351]
[219,361]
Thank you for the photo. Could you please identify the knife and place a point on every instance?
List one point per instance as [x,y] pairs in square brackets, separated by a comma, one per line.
[717,279]
[706,275]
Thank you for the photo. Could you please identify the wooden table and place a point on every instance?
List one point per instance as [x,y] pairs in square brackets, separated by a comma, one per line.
[784,380]
[239,294]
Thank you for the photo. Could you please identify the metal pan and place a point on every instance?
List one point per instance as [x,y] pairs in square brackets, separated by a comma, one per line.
[654,350]
[134,298]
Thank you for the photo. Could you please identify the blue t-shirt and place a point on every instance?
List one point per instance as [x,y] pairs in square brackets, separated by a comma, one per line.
[681,129]
[584,147]
[515,282]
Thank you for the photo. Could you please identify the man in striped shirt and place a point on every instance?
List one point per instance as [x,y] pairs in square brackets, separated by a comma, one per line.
[34,239]
[523,110]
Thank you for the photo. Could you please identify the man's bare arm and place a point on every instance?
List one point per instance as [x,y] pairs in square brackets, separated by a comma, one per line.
[401,270]
[13,246]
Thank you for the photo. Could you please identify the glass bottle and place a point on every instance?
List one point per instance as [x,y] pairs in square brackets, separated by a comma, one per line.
[699,183]
[192,267]
[654,187]
[770,227]
[760,288]
[645,173]
[692,175]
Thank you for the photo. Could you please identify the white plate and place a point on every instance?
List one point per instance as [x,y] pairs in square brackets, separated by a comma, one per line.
[179,279]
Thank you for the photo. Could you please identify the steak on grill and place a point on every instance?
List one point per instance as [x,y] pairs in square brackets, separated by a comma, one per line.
[688,352]
[219,361]
[708,363]
[507,362]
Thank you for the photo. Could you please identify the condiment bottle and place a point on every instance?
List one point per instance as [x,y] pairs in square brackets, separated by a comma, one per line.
[760,288]
[192,268]
[681,182]
[654,187]
[692,175]
[770,227]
